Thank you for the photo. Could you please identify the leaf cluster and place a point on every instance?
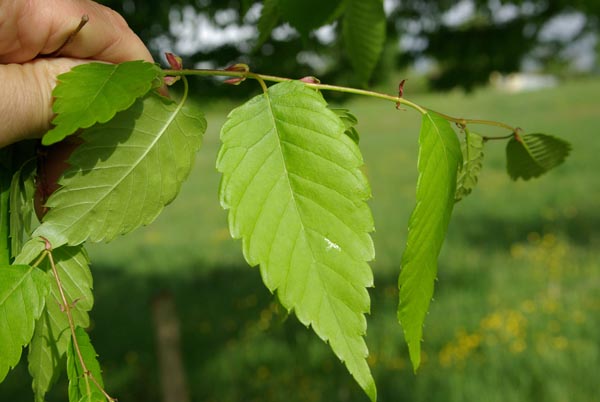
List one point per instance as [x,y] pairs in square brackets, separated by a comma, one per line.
[293,186]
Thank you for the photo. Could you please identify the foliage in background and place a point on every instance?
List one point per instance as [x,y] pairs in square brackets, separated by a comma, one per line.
[465,54]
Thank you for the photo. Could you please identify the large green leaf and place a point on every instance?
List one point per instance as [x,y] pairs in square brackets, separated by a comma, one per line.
[52,334]
[125,173]
[439,160]
[307,15]
[532,155]
[81,386]
[92,93]
[364,35]
[472,152]
[296,196]
[22,294]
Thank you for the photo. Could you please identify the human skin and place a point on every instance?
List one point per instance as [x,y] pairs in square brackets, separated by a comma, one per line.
[30,30]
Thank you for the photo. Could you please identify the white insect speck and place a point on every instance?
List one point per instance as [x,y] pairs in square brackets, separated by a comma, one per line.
[332,245]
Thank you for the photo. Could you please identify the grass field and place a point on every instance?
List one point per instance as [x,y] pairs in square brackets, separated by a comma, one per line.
[515,316]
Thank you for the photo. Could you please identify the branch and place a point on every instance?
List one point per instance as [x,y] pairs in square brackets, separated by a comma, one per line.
[398,100]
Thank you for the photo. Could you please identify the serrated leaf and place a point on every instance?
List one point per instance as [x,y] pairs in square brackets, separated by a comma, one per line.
[439,159]
[269,18]
[94,92]
[81,387]
[52,335]
[532,155]
[364,35]
[22,190]
[472,153]
[125,173]
[307,15]
[349,121]
[22,293]
[296,196]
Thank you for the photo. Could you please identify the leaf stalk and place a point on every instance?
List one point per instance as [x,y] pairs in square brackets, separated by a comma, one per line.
[67,309]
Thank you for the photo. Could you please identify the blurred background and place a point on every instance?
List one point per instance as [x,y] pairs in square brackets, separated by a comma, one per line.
[515,315]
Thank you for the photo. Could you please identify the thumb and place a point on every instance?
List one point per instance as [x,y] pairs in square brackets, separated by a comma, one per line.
[26,97]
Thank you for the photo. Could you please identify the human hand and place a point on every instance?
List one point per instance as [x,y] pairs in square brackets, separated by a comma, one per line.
[31,29]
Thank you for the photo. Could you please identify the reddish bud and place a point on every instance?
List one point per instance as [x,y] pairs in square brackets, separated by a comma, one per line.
[400,92]
[235,81]
[239,67]
[174,61]
[309,79]
[171,80]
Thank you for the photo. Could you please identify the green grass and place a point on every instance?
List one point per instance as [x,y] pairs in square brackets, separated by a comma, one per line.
[516,304]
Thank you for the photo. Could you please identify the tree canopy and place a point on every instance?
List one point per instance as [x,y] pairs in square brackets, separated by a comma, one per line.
[281,37]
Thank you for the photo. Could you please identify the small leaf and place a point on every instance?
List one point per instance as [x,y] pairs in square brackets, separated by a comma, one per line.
[52,334]
[94,92]
[532,155]
[22,293]
[307,15]
[31,250]
[81,387]
[125,173]
[364,35]
[439,159]
[349,121]
[269,18]
[22,189]
[296,196]
[472,152]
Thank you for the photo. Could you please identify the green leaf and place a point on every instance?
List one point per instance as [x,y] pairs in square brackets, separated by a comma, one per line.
[81,386]
[22,293]
[349,121]
[92,93]
[52,335]
[307,15]
[31,250]
[472,152]
[364,35]
[125,173]
[269,18]
[22,190]
[532,155]
[296,196]
[5,185]
[439,159]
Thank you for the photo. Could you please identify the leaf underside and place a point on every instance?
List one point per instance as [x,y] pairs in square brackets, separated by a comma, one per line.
[94,92]
[439,159]
[363,31]
[296,196]
[22,296]
[534,154]
[81,387]
[125,173]
[52,335]
[472,153]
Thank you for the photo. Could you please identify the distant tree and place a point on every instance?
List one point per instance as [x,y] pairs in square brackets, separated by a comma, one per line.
[494,36]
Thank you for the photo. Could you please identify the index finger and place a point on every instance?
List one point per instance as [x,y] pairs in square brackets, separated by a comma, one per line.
[41,27]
